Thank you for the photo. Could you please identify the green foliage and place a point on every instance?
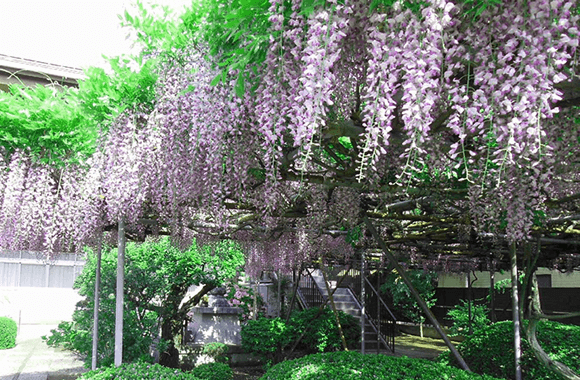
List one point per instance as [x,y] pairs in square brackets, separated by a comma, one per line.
[269,337]
[356,366]
[47,123]
[462,324]
[322,334]
[139,325]
[105,96]
[213,371]
[266,337]
[490,350]
[216,351]
[8,331]
[157,277]
[237,32]
[401,295]
[139,371]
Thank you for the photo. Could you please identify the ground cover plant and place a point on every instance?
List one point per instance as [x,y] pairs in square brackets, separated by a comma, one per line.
[489,350]
[137,371]
[8,332]
[355,366]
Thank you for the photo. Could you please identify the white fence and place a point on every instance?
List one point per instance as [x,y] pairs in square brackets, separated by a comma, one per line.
[28,269]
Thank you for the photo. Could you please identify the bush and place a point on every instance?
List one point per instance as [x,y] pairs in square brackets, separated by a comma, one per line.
[491,350]
[216,351]
[8,331]
[323,335]
[213,371]
[266,337]
[462,325]
[356,366]
[139,371]
[269,336]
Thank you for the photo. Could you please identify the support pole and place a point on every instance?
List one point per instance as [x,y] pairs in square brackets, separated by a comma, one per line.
[516,311]
[492,295]
[97,299]
[333,306]
[119,297]
[416,294]
[279,294]
[363,320]
[294,293]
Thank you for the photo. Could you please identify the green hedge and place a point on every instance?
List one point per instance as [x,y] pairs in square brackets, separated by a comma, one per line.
[322,334]
[213,371]
[356,366]
[146,371]
[491,350]
[270,336]
[8,331]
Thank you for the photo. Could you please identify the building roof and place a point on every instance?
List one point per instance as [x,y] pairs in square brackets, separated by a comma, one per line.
[30,72]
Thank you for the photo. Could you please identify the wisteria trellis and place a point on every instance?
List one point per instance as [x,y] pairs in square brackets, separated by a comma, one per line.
[353,109]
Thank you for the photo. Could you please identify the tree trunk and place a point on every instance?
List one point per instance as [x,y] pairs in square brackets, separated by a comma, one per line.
[516,312]
[119,299]
[169,357]
[172,322]
[541,355]
[96,311]
[416,294]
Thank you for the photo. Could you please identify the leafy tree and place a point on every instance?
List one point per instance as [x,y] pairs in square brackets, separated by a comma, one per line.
[46,123]
[157,279]
[402,298]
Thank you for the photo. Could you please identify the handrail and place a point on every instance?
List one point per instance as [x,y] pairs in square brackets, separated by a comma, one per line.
[312,294]
[315,283]
[380,298]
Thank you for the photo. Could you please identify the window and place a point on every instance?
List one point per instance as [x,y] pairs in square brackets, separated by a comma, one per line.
[544,280]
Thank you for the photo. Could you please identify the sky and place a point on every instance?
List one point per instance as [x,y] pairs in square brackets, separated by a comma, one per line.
[72,33]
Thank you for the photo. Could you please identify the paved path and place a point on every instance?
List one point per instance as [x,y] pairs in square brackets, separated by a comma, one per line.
[32,359]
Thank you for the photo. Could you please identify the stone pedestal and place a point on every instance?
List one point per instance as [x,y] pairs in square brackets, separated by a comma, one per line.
[214,324]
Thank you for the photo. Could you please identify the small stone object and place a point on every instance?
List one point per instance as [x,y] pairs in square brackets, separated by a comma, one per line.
[216,298]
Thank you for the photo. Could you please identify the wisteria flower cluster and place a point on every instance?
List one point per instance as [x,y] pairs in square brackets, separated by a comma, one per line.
[348,103]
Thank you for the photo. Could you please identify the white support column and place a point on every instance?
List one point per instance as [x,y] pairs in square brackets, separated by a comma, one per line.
[119,300]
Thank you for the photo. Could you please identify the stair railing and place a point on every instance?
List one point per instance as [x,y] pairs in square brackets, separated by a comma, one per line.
[380,316]
[377,312]
[309,291]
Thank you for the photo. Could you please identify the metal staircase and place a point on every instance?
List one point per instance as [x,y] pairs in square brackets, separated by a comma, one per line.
[380,324]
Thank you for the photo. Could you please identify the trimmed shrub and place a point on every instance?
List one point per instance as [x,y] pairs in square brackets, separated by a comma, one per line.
[216,351]
[352,365]
[266,337]
[139,371]
[322,334]
[270,336]
[8,331]
[459,315]
[213,371]
[490,350]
